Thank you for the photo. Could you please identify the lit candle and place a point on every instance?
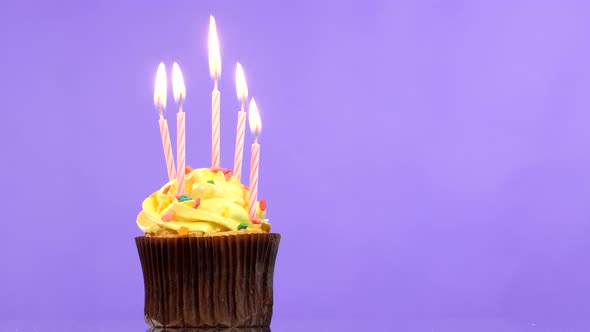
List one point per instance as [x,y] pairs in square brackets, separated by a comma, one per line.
[242,90]
[179,91]
[160,91]
[215,70]
[255,127]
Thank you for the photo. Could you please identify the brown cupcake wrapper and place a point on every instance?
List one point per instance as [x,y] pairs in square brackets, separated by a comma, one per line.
[211,281]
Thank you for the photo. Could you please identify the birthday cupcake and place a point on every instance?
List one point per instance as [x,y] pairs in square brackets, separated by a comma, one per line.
[207,253]
[205,262]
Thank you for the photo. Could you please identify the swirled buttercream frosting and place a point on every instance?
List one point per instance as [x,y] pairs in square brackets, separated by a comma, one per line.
[213,202]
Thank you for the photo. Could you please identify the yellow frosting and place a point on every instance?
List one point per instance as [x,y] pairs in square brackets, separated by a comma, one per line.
[223,206]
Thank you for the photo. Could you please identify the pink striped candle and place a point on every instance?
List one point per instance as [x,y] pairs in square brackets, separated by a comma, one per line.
[239,143]
[181,151]
[255,127]
[242,90]
[167,145]
[254,165]
[160,92]
[179,91]
[215,71]
[215,125]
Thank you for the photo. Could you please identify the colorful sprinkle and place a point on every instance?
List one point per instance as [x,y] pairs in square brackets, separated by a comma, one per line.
[166,190]
[184,198]
[182,231]
[263,204]
[265,227]
[168,217]
[242,226]
[211,181]
[188,169]
[256,221]
[226,212]
[197,203]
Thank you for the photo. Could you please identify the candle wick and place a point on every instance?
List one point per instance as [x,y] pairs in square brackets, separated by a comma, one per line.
[160,110]
[216,78]
[180,104]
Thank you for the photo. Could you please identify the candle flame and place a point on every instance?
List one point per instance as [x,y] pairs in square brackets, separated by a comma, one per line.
[178,87]
[241,86]
[160,89]
[214,55]
[254,118]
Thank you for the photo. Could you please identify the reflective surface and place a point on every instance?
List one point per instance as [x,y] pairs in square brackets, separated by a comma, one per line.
[417,325]
[235,329]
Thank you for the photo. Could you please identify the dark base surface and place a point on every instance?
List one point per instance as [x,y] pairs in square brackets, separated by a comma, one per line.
[209,329]
[217,281]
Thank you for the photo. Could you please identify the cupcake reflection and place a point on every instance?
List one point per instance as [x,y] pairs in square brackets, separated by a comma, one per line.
[212,329]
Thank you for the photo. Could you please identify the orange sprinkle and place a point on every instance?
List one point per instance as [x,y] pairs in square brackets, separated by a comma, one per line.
[226,212]
[188,169]
[227,176]
[182,231]
[197,203]
[168,217]
[256,220]
[167,189]
[262,204]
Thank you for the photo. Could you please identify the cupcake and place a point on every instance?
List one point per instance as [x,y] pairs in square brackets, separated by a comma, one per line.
[205,262]
[207,254]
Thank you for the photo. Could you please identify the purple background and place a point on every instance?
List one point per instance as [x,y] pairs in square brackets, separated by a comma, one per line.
[424,160]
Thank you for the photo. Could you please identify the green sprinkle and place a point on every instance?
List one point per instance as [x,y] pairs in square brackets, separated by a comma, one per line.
[211,181]
[242,226]
[184,198]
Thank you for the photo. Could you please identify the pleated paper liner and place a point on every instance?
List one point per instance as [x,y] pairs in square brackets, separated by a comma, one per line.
[210,281]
